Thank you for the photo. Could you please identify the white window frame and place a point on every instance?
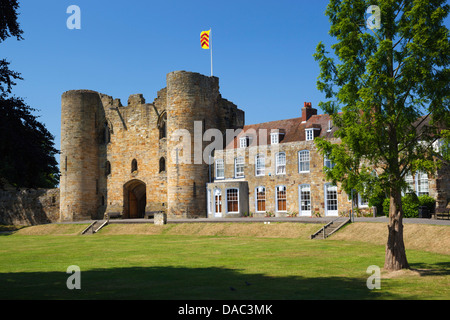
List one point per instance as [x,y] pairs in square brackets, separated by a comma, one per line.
[222,162]
[309,134]
[217,192]
[422,188]
[409,179]
[257,190]
[276,197]
[243,142]
[280,165]
[241,162]
[327,160]
[417,183]
[304,161]
[302,187]
[328,212]
[208,200]
[237,194]
[275,138]
[361,202]
[260,165]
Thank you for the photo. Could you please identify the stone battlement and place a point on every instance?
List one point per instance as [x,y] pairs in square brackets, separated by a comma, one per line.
[116,158]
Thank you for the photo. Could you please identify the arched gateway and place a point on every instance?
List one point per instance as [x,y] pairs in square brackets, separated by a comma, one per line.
[135,199]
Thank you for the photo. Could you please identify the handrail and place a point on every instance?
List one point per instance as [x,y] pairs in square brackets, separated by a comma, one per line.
[103,224]
[328,224]
[90,226]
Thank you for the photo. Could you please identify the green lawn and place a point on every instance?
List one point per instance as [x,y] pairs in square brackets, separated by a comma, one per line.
[205,267]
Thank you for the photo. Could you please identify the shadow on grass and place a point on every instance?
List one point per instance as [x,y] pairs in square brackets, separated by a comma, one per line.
[173,283]
[435,269]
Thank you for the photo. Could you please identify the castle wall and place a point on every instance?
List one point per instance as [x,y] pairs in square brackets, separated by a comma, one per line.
[101,139]
[134,136]
[29,206]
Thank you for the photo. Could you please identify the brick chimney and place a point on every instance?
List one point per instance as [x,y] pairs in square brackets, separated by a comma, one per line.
[308,111]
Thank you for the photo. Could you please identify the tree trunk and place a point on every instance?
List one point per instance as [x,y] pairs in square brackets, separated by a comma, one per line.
[395,247]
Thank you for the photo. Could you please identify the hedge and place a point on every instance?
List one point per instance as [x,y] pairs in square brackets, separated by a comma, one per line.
[411,204]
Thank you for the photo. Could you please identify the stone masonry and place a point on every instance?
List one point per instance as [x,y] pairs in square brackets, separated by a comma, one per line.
[136,160]
[123,159]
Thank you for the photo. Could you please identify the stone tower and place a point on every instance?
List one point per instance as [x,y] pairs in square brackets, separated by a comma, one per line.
[132,160]
[192,98]
[79,155]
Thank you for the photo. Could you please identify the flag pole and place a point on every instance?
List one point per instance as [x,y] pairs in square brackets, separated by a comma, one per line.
[210,44]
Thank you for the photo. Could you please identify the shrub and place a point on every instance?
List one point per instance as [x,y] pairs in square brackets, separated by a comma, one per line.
[386,204]
[377,201]
[410,204]
[427,201]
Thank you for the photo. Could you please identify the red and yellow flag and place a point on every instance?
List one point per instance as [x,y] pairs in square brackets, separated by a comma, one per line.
[204,39]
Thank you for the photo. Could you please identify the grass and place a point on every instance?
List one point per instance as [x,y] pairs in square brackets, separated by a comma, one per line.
[170,263]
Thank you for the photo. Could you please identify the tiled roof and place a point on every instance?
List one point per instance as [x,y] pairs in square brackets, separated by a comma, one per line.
[291,130]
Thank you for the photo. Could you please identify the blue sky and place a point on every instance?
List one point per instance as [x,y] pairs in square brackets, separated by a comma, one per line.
[262,51]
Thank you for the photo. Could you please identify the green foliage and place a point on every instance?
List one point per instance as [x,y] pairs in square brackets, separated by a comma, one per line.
[376,200]
[427,201]
[411,204]
[27,153]
[386,204]
[386,90]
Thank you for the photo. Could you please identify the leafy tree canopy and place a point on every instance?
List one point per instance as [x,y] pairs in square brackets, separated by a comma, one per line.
[388,93]
[27,153]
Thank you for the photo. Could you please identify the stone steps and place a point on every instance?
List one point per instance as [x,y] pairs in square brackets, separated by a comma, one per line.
[330,228]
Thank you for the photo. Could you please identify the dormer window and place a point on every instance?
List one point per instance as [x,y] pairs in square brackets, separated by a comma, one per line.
[277,135]
[309,134]
[244,142]
[274,138]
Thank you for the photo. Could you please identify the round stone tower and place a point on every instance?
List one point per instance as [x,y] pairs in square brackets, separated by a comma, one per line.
[79,155]
[191,101]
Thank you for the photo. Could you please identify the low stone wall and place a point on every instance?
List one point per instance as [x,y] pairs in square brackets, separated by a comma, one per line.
[28,206]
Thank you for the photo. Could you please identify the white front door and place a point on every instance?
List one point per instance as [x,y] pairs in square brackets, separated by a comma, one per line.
[217,203]
[331,201]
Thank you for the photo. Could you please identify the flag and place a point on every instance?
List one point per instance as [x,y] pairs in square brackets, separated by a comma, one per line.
[204,39]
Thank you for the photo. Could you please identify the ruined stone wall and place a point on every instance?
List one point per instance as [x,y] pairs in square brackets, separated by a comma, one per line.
[29,206]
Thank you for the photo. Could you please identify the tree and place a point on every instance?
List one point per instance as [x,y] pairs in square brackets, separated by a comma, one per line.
[27,153]
[387,92]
